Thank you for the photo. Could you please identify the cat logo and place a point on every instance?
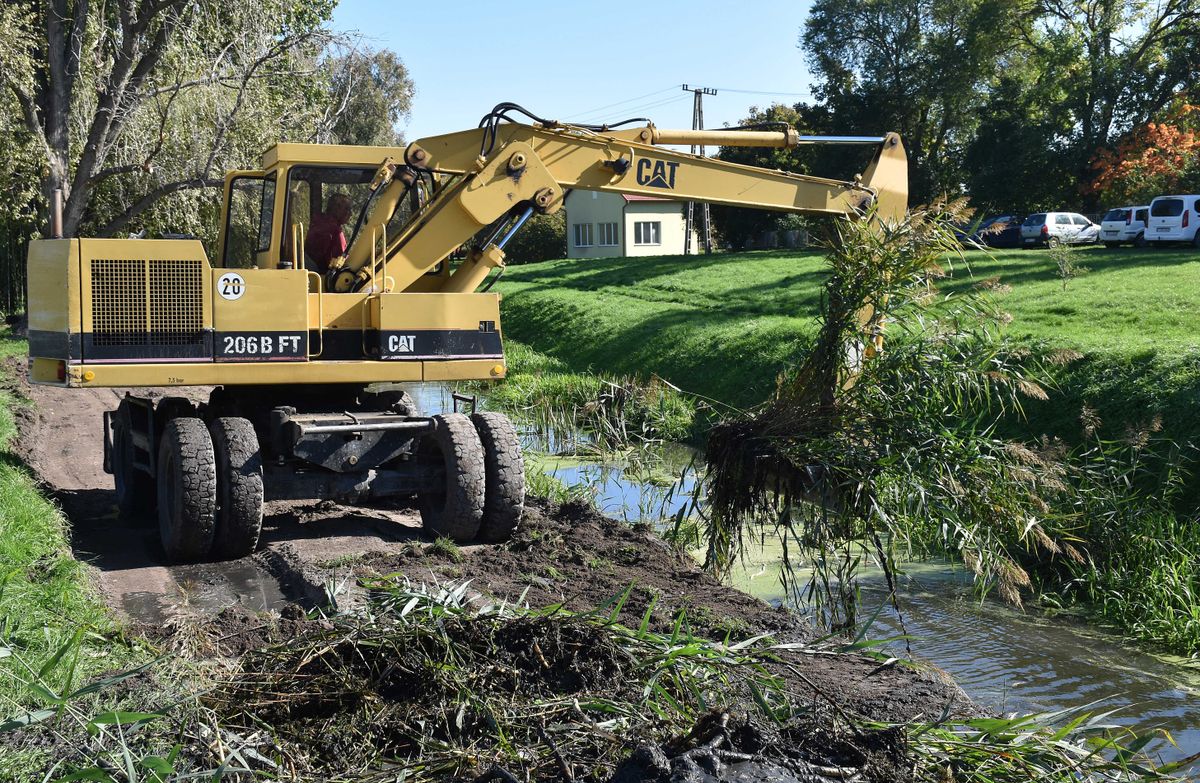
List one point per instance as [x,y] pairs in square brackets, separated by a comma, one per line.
[656,173]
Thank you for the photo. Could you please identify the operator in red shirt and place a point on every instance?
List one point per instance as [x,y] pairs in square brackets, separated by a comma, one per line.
[326,240]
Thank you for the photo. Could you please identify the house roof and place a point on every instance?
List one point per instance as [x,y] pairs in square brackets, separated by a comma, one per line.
[635,197]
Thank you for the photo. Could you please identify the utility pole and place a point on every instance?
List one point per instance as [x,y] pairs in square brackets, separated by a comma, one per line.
[698,94]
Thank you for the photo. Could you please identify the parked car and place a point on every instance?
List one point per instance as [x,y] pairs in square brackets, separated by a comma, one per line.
[995,231]
[1124,224]
[1174,219]
[1058,228]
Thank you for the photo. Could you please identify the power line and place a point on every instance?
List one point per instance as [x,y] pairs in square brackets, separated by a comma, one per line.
[766,92]
[591,112]
[642,107]
[635,109]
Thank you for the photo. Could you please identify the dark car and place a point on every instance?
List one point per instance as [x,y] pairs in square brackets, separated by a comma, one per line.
[996,231]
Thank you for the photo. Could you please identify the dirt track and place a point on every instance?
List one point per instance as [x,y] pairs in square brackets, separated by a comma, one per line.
[569,554]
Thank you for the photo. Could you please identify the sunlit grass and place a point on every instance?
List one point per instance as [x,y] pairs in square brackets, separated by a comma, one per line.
[724,326]
[54,631]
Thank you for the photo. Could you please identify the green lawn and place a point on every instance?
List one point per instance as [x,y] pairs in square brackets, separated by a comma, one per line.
[723,326]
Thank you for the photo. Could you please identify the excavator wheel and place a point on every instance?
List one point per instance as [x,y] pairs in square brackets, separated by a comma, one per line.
[239,487]
[455,509]
[504,469]
[187,490]
[134,488]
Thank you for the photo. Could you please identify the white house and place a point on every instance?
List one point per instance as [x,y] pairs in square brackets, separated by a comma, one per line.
[607,225]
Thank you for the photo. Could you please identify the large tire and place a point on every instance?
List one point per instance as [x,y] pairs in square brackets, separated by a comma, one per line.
[504,470]
[134,488]
[239,487]
[187,490]
[455,509]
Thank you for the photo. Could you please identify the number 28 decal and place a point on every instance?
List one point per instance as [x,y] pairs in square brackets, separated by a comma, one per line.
[231,286]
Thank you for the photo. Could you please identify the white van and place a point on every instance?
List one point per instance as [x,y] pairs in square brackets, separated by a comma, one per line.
[1174,219]
[1124,224]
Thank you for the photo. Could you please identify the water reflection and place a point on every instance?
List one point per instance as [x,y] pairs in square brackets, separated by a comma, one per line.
[1020,662]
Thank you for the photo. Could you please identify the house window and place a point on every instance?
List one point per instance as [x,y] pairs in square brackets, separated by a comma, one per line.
[647,232]
[583,235]
[608,234]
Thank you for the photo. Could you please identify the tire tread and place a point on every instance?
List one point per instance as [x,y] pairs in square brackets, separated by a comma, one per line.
[187,443]
[239,487]
[504,466]
[459,518]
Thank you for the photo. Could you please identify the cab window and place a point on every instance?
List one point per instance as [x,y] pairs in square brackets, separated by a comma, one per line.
[323,207]
[249,214]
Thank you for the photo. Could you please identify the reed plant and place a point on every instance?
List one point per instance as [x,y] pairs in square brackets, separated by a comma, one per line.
[866,453]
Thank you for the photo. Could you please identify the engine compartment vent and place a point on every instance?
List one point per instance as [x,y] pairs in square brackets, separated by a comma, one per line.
[147,309]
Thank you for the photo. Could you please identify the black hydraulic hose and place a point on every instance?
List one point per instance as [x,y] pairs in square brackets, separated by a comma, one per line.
[362,213]
[492,282]
[491,121]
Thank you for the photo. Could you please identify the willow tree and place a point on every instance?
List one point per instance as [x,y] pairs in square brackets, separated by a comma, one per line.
[138,106]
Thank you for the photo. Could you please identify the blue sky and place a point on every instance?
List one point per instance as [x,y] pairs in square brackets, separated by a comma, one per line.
[586,62]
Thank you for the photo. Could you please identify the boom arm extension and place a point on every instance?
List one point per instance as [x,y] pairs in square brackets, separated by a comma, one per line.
[529,168]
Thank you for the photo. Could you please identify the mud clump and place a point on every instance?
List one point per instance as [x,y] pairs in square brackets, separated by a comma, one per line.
[456,691]
[573,555]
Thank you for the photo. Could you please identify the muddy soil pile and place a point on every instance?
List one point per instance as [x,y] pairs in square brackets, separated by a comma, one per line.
[453,687]
[593,688]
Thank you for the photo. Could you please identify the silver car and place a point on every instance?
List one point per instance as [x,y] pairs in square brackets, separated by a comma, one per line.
[1058,228]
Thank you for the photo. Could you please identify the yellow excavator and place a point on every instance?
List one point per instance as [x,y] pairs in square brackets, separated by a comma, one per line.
[342,272]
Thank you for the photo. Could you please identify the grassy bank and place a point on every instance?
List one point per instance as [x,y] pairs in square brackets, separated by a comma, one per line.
[724,326]
[1120,353]
[55,635]
[610,409]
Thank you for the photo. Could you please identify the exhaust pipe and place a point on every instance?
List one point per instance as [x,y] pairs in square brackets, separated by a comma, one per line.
[56,214]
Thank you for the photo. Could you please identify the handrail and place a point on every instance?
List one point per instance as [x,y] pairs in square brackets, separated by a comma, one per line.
[320,314]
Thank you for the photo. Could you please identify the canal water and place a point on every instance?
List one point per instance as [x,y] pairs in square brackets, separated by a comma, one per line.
[1005,659]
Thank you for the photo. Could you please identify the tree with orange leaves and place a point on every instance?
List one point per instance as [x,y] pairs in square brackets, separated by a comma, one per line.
[1153,159]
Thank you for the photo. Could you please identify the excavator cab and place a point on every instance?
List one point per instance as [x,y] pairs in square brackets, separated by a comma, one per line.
[268,216]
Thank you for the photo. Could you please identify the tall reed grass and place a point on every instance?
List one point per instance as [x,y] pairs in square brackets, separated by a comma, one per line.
[898,454]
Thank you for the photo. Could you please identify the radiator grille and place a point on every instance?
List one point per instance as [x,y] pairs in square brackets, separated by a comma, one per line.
[147,304]
[118,301]
[176,307]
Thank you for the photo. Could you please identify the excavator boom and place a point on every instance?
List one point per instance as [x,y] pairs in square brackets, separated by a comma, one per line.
[516,170]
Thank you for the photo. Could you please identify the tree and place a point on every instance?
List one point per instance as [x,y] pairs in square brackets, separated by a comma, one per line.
[371,93]
[133,101]
[1020,158]
[1153,159]
[739,225]
[1121,63]
[919,67]
[542,238]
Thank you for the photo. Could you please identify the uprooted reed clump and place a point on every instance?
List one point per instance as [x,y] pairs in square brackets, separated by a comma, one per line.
[431,684]
[445,688]
[872,445]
